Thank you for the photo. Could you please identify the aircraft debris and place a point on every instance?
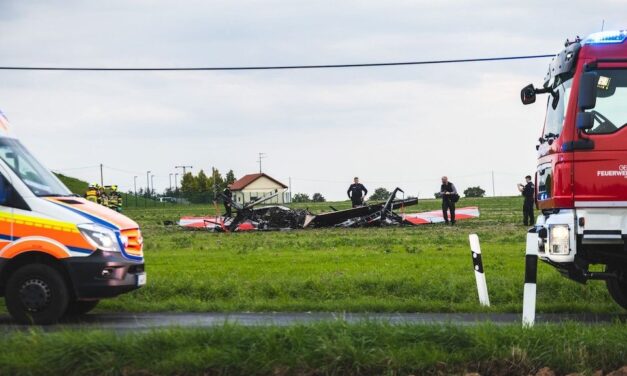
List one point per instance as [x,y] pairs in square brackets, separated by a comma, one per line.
[276,217]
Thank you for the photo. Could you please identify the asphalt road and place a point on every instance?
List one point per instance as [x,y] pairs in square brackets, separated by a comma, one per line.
[148,321]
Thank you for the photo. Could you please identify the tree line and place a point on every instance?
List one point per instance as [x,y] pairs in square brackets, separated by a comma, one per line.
[202,188]
[381,194]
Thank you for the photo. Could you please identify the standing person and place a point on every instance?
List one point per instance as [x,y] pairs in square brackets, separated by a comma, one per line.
[527,191]
[92,193]
[357,193]
[227,199]
[449,198]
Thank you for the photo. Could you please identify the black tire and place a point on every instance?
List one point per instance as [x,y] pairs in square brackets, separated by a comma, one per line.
[617,287]
[36,294]
[80,307]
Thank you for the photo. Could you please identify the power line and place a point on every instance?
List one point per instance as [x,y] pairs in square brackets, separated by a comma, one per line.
[122,170]
[276,67]
[76,168]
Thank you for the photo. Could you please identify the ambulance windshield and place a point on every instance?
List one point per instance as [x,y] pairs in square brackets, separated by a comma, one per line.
[39,179]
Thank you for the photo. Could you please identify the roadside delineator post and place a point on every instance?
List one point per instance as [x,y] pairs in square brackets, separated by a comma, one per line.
[531,273]
[482,287]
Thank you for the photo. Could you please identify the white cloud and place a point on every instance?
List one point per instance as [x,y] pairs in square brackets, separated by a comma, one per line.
[392,126]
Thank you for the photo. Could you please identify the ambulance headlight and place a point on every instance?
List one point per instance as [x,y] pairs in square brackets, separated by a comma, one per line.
[100,237]
[559,240]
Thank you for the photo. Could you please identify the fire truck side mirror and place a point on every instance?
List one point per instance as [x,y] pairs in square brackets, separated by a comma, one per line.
[585,120]
[588,91]
[528,94]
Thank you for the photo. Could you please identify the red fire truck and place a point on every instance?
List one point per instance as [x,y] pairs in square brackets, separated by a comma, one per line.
[581,178]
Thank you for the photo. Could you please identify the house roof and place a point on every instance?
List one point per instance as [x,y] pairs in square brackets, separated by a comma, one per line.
[246,180]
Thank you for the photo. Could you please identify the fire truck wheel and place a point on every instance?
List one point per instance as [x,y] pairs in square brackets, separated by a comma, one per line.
[80,307]
[36,294]
[617,287]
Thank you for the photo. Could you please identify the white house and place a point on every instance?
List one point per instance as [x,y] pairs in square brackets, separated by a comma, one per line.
[254,186]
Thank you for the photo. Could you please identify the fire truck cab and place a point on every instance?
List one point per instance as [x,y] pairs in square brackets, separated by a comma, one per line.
[59,253]
[581,177]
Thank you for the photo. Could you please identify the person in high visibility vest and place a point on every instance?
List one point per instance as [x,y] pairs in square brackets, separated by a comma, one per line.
[92,193]
[102,196]
[115,199]
[119,197]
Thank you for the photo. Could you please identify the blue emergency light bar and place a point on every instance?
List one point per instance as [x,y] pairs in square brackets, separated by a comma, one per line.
[606,37]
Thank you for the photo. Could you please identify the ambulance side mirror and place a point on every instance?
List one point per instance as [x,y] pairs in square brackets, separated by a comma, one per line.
[588,91]
[528,94]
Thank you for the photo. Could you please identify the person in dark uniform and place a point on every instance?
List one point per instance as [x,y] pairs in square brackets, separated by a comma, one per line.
[227,199]
[448,191]
[357,193]
[528,191]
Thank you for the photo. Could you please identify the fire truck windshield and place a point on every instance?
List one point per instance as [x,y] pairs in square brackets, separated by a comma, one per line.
[556,109]
[610,112]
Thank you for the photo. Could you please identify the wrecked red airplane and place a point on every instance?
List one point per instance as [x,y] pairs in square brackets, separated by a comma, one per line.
[267,218]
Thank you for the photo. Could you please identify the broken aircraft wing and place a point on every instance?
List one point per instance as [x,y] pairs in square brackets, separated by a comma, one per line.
[435,216]
[331,219]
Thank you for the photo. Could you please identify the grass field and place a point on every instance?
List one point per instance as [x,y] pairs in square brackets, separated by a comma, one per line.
[334,348]
[424,268]
[401,269]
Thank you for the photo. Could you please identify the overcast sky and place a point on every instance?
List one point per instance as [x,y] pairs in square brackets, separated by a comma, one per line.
[391,126]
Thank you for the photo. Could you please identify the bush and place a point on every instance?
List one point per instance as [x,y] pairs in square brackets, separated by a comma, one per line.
[301,197]
[380,194]
[317,197]
[474,192]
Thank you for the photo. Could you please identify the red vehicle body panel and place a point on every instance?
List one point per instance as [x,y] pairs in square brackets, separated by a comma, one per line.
[587,175]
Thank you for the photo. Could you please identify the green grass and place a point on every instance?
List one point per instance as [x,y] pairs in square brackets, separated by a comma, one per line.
[141,203]
[425,268]
[401,269]
[74,185]
[332,348]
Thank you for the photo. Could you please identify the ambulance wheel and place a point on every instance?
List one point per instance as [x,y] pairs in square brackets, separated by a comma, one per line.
[36,294]
[80,307]
[617,287]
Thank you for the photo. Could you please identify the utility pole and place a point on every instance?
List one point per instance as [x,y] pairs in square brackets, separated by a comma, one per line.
[148,183]
[171,182]
[101,177]
[176,184]
[152,180]
[261,156]
[135,188]
[493,191]
[182,176]
[290,188]
[184,168]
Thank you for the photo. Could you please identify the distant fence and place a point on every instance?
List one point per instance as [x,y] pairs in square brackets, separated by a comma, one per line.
[130,201]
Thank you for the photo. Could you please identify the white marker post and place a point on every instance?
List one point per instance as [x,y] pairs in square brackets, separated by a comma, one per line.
[531,273]
[482,287]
